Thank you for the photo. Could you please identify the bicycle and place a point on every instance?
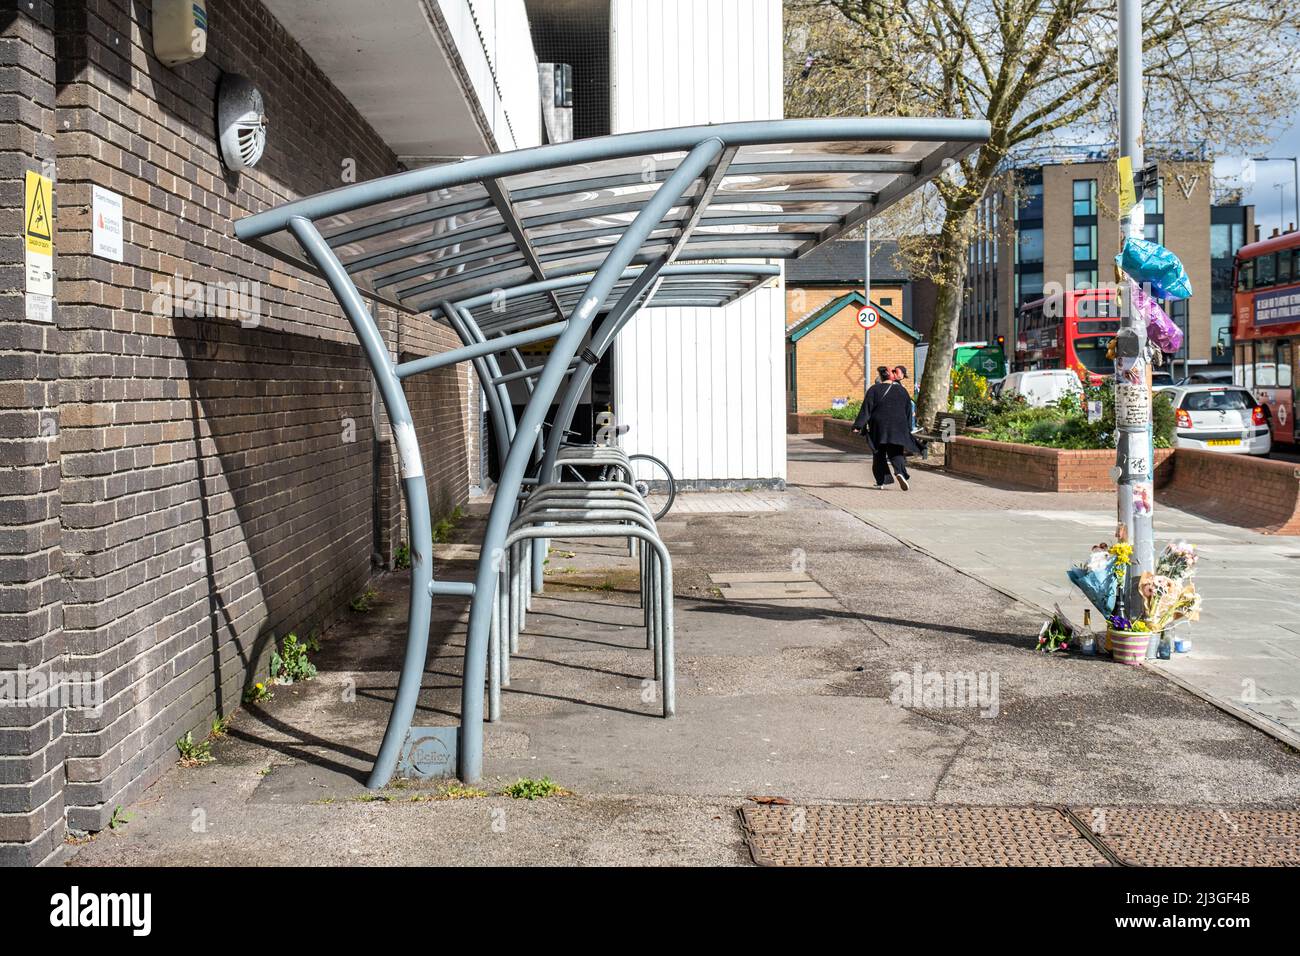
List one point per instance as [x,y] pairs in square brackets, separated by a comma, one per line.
[651,478]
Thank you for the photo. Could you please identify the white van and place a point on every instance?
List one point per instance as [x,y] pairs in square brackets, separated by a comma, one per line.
[1042,386]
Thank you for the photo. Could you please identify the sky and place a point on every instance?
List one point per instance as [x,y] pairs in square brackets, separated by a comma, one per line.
[1263,192]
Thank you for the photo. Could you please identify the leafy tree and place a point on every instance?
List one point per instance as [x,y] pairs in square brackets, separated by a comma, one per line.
[1218,71]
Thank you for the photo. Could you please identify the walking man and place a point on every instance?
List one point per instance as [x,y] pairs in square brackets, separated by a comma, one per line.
[886,422]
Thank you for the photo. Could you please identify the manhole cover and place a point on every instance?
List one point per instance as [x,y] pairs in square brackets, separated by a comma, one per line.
[1173,836]
[897,835]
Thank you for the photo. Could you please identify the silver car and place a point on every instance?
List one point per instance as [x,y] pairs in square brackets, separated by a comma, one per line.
[1222,418]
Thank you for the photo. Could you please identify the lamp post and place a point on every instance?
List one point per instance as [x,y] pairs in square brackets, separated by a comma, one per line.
[1295,189]
[1133,447]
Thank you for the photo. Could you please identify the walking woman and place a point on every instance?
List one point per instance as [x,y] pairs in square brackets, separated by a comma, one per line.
[886,422]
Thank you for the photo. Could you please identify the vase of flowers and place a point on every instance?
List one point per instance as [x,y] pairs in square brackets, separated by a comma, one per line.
[1167,597]
[1128,639]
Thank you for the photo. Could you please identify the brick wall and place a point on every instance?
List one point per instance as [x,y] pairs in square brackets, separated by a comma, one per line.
[1250,492]
[1042,469]
[32,741]
[203,484]
[829,358]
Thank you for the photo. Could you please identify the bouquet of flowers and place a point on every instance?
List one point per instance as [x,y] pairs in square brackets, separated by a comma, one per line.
[1103,574]
[1055,634]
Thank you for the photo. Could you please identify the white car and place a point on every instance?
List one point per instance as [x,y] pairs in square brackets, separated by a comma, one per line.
[1041,387]
[1220,418]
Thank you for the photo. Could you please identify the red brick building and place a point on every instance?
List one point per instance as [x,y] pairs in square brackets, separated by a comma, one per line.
[823,342]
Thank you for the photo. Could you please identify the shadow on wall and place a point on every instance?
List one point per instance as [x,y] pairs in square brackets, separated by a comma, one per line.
[283,437]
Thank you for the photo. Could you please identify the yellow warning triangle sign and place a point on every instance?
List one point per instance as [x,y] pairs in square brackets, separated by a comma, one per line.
[38,218]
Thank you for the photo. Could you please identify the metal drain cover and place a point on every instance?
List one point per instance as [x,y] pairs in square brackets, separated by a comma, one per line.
[1174,836]
[910,835]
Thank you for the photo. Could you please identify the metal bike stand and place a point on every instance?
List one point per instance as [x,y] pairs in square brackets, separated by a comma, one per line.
[716,194]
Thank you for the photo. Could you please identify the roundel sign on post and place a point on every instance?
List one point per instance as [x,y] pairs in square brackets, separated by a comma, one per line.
[868,317]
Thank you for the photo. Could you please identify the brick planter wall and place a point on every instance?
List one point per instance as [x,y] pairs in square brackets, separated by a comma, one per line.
[839,433]
[802,423]
[1250,492]
[1043,469]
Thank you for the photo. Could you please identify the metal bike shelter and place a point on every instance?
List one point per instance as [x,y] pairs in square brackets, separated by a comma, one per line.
[520,247]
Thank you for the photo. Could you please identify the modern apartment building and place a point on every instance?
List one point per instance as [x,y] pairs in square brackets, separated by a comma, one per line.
[1052,217]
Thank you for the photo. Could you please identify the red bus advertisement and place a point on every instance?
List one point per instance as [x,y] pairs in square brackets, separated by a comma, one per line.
[1068,329]
[1266,326]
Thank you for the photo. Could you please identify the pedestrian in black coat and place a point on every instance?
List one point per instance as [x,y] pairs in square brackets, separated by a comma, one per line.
[886,422]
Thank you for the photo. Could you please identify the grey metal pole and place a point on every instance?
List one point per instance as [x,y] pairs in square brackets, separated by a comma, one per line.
[1134,451]
[866,333]
[413,487]
[491,552]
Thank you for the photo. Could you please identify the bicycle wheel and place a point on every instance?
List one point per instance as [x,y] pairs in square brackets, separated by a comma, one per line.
[654,482]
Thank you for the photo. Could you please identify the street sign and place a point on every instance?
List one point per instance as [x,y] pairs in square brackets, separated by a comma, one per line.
[868,317]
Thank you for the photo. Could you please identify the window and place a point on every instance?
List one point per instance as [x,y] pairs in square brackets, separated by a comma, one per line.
[1085,197]
[1246,275]
[1220,332]
[1266,363]
[1097,307]
[1225,239]
[1085,278]
[1265,270]
[1154,232]
[1032,201]
[886,300]
[1283,267]
[1085,243]
[1031,285]
[1031,245]
[1155,205]
[1243,372]
[1228,400]
[1284,365]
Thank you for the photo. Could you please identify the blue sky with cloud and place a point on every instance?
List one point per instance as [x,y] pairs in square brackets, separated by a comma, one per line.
[1263,192]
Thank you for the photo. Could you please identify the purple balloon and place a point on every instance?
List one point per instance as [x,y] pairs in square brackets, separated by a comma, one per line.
[1161,329]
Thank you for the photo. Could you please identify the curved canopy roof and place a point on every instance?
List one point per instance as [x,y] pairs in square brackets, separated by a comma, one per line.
[778,189]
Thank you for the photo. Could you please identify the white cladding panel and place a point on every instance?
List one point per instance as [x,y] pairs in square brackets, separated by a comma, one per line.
[704,389]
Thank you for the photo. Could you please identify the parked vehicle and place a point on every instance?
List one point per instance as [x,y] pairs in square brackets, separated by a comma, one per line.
[1068,330]
[1222,418]
[1266,327]
[1042,386]
[1218,377]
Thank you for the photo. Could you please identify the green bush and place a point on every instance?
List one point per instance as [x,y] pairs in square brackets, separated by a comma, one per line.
[847,413]
[1064,424]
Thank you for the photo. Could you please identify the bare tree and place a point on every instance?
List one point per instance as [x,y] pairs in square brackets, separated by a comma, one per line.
[1218,71]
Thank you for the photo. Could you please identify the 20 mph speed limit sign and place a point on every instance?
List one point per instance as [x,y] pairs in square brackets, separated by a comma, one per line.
[868,317]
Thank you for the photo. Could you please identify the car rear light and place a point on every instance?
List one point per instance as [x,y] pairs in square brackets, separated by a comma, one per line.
[1184,419]
[1257,415]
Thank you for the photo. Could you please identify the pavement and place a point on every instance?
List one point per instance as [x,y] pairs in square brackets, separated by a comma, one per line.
[891,678]
[1246,647]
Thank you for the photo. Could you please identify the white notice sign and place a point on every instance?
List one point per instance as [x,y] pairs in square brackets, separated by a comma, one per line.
[1132,404]
[106,227]
[40,308]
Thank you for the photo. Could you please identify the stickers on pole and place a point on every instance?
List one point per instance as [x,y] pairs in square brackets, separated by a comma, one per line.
[38,233]
[1134,458]
[1127,194]
[1132,404]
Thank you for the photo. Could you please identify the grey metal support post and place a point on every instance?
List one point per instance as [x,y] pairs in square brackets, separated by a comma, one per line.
[1134,446]
[417,496]
[516,463]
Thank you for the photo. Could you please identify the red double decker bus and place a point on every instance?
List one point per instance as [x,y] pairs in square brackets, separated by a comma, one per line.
[1066,330]
[1266,326]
